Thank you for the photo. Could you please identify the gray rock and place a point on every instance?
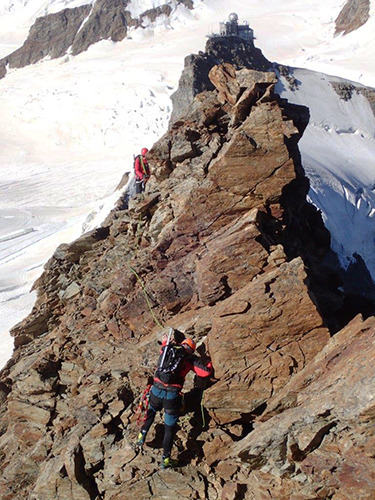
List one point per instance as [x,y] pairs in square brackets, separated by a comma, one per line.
[78,28]
[353,15]
[50,35]
[71,291]
[108,20]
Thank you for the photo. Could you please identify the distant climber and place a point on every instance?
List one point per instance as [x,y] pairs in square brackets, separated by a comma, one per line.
[141,171]
[175,362]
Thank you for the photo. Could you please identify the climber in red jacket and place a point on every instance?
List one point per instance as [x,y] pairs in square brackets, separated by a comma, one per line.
[174,364]
[141,171]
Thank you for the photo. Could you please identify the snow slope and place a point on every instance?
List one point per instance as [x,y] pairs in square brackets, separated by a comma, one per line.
[70,126]
[338,155]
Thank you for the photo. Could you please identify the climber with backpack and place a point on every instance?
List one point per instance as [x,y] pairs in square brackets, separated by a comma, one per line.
[175,362]
[141,171]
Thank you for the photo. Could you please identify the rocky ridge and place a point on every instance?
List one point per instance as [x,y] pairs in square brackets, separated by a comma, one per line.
[74,30]
[224,247]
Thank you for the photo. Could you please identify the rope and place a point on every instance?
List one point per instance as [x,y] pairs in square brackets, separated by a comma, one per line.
[160,326]
[202,411]
[146,297]
[137,233]
[143,406]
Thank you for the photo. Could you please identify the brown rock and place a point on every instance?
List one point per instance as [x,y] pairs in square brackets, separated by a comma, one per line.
[214,248]
[30,413]
[248,77]
[217,449]
[226,469]
[231,491]
[262,336]
[224,79]
[323,417]
[223,267]
[353,15]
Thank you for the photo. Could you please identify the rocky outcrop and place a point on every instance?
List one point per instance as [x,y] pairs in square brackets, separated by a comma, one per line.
[51,35]
[321,424]
[223,247]
[108,20]
[346,91]
[74,30]
[353,15]
[194,78]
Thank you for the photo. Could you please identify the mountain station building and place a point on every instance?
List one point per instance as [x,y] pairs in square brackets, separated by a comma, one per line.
[232,28]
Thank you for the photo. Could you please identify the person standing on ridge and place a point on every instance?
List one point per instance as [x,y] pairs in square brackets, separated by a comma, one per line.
[174,364]
[141,171]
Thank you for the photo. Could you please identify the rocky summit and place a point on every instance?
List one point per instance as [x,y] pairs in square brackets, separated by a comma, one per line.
[223,247]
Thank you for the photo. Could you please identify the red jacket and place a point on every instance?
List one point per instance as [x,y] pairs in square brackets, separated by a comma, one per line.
[141,168]
[191,363]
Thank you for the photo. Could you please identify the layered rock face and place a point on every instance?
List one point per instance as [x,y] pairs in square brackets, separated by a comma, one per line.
[353,15]
[223,247]
[321,424]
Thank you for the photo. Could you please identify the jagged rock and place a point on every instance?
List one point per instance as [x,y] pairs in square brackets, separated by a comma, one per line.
[321,420]
[152,14]
[223,268]
[217,449]
[236,51]
[353,15]
[76,29]
[345,91]
[267,335]
[224,80]
[194,78]
[123,182]
[247,78]
[222,246]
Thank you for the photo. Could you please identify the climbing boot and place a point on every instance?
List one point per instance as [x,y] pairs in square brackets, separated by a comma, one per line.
[169,463]
[141,439]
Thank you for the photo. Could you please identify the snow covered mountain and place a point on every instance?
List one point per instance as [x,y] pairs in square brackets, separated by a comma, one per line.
[71,125]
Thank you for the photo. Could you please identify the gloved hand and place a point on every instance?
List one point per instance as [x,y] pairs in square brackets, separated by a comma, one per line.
[165,338]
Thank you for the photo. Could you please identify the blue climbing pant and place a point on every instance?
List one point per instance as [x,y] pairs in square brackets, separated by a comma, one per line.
[171,402]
